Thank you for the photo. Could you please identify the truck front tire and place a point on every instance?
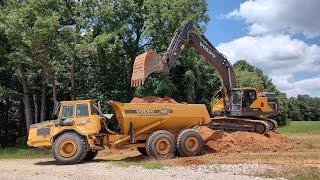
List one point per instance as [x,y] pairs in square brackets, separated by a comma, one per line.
[69,148]
[161,145]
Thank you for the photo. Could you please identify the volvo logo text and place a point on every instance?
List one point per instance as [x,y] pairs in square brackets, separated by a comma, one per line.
[207,49]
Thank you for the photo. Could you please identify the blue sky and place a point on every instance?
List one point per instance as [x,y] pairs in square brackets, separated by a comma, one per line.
[220,29]
[282,37]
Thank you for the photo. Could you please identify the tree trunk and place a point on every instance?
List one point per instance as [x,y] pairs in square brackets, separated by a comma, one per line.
[54,89]
[43,99]
[36,108]
[26,99]
[72,78]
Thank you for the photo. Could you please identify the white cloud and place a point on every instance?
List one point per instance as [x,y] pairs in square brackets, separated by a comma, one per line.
[279,56]
[307,86]
[293,16]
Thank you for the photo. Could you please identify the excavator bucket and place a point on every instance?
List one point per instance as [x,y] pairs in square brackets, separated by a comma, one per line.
[144,65]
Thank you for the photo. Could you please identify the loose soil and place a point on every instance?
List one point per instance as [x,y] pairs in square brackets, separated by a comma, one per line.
[152,99]
[239,141]
[218,142]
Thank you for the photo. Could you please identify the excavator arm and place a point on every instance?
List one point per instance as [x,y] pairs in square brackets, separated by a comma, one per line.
[151,62]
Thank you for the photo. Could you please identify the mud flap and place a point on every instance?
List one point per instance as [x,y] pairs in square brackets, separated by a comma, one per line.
[131,133]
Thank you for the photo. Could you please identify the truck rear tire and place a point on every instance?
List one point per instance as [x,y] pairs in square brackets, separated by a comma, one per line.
[161,145]
[142,150]
[69,148]
[90,155]
[189,143]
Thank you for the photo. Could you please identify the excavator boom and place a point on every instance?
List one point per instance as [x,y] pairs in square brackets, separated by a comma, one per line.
[152,62]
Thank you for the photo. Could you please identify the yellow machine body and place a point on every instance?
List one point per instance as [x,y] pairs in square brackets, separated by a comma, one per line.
[136,121]
[43,134]
[173,117]
[249,103]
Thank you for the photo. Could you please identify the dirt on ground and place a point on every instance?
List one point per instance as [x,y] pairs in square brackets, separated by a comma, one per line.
[227,142]
[240,141]
[217,141]
[152,99]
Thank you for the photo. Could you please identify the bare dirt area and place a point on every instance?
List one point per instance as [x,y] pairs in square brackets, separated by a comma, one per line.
[99,169]
[256,157]
[228,142]
[128,163]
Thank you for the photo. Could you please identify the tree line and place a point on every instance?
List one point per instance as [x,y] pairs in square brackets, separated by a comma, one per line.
[304,108]
[84,49]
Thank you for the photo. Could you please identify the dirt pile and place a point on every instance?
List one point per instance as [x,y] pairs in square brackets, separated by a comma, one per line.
[152,99]
[225,142]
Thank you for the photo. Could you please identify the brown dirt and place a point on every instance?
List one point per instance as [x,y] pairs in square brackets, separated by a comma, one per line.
[227,142]
[152,99]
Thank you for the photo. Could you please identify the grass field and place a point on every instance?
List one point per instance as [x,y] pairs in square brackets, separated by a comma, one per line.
[301,127]
[23,153]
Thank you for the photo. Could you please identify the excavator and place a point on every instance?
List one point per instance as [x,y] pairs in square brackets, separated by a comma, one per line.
[237,108]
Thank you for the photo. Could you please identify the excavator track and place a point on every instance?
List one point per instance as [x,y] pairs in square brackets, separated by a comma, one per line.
[271,122]
[239,124]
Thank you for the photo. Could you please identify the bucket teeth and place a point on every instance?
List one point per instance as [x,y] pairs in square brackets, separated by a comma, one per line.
[144,65]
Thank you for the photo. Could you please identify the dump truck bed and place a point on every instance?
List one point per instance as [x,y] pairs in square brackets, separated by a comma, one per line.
[173,117]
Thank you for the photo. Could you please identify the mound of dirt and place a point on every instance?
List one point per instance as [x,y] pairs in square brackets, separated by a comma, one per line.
[152,99]
[225,142]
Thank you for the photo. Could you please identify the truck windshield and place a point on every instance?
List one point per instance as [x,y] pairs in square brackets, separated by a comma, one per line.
[67,111]
[82,110]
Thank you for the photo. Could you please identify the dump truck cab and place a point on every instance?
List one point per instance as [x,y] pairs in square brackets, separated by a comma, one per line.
[81,116]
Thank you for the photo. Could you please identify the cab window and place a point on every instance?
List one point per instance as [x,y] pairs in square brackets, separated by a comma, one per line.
[94,109]
[67,111]
[236,97]
[248,97]
[82,110]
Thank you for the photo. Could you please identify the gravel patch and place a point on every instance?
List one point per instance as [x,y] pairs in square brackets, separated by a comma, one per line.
[46,169]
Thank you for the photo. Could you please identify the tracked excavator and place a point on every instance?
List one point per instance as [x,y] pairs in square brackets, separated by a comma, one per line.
[236,108]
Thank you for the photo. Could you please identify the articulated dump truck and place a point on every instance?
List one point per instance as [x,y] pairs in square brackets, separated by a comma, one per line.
[160,130]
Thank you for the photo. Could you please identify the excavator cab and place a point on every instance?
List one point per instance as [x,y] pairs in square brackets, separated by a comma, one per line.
[246,102]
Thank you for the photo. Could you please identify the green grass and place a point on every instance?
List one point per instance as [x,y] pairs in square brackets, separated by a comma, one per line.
[301,127]
[147,164]
[23,153]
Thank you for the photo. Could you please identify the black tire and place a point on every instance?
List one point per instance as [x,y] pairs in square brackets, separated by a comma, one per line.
[90,155]
[142,150]
[161,145]
[192,136]
[77,141]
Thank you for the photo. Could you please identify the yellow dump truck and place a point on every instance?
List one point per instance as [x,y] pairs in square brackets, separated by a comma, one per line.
[159,130]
